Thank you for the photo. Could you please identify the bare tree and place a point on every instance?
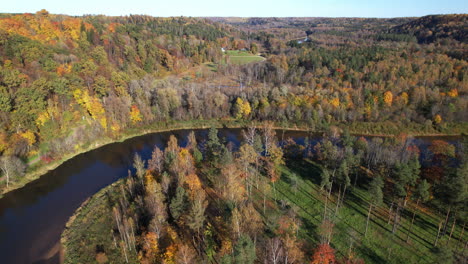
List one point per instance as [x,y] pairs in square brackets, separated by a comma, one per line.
[268,137]
[275,250]
[249,135]
[11,167]
[156,162]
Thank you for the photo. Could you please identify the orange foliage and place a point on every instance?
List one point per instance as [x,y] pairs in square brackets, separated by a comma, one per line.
[453,93]
[72,27]
[135,115]
[64,69]
[150,245]
[335,102]
[443,148]
[113,26]
[194,184]
[388,98]
[287,225]
[170,254]
[324,254]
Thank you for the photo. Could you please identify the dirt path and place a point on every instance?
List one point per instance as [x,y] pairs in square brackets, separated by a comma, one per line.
[34,161]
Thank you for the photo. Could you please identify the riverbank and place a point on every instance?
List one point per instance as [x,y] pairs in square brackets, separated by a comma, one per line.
[41,168]
[97,214]
[44,168]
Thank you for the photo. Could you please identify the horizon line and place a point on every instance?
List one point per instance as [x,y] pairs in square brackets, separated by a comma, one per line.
[214,16]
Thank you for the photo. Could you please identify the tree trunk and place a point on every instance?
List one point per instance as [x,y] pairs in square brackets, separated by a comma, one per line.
[446,220]
[438,233]
[453,227]
[395,219]
[412,221]
[343,196]
[461,236]
[7,175]
[325,209]
[338,200]
[390,213]
[368,217]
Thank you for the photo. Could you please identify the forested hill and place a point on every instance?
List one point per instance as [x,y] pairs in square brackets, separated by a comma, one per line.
[48,60]
[67,81]
[434,27]
[43,42]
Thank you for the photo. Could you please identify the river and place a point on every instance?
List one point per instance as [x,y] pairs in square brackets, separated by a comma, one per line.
[32,218]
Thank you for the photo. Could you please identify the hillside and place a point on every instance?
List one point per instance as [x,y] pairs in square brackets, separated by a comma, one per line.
[436,27]
[66,82]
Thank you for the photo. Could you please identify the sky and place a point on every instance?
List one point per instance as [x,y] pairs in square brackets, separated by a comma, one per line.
[241,8]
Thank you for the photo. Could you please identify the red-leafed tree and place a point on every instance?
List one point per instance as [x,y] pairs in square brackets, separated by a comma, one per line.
[324,254]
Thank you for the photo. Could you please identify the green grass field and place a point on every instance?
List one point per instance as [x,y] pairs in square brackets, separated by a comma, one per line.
[91,229]
[380,245]
[241,57]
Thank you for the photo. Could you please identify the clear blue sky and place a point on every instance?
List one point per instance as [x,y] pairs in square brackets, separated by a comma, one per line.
[242,8]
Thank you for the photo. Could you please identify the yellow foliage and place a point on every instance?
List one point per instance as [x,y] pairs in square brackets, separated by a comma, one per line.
[170,254]
[150,245]
[8,64]
[453,93]
[32,153]
[404,98]
[72,27]
[193,182]
[3,142]
[29,136]
[149,181]
[243,108]
[368,110]
[92,105]
[42,118]
[437,119]
[64,69]
[226,247]
[335,102]
[115,127]
[135,115]
[388,98]
[172,233]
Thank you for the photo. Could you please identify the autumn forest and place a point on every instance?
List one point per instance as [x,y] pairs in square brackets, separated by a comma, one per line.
[376,171]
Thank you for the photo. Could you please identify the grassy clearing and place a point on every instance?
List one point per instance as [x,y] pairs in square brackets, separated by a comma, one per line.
[241,57]
[238,53]
[380,245]
[88,233]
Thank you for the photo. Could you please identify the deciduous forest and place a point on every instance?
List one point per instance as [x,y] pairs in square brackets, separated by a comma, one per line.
[365,192]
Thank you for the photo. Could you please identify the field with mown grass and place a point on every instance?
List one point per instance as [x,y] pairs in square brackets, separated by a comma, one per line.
[241,57]
[380,245]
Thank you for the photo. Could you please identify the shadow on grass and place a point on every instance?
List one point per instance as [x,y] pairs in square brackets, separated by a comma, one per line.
[307,170]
